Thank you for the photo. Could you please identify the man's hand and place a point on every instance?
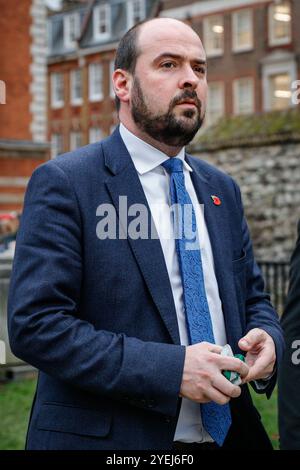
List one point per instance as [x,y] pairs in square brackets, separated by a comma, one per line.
[202,379]
[261,355]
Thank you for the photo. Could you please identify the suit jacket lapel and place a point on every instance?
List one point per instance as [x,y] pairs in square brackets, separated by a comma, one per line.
[217,220]
[148,252]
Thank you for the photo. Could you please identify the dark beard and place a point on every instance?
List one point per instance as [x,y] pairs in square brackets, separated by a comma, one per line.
[167,128]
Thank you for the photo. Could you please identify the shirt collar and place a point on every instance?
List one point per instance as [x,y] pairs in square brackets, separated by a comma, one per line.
[144,156]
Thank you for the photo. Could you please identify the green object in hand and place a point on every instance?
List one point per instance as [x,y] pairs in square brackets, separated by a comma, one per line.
[233,377]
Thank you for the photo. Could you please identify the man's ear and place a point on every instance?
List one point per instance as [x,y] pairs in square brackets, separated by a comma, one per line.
[122,84]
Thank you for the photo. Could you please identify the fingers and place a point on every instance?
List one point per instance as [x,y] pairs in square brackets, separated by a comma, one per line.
[226,387]
[214,395]
[252,338]
[261,368]
[234,364]
[214,348]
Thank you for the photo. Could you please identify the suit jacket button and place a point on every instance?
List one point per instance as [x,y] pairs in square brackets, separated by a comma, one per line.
[167,419]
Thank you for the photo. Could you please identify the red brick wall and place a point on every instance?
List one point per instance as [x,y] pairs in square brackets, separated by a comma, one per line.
[15,58]
[81,118]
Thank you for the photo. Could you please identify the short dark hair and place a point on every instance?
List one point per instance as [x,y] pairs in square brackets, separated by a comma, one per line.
[128,52]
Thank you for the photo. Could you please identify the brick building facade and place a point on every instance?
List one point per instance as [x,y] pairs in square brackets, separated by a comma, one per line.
[24,109]
[252,47]
[80,95]
[253,50]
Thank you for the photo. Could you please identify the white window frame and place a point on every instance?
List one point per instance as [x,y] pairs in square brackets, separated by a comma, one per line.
[269,70]
[73,140]
[207,32]
[75,100]
[235,21]
[95,96]
[96,22]
[273,41]
[236,104]
[55,101]
[95,134]
[111,71]
[71,44]
[222,112]
[55,138]
[130,11]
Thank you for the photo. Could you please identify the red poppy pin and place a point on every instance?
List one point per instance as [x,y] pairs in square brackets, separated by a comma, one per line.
[216,200]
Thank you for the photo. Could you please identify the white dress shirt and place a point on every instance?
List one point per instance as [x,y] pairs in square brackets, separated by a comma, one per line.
[156,185]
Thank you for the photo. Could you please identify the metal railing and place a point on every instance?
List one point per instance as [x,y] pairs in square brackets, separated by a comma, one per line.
[276,276]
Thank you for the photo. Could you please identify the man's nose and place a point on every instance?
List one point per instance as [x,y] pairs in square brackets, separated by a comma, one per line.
[188,79]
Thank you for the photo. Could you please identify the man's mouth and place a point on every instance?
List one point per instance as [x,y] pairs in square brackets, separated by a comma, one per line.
[188,103]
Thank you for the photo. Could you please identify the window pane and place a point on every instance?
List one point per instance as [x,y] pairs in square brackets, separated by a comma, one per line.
[243,95]
[137,10]
[73,27]
[102,21]
[280,23]
[56,145]
[57,90]
[75,140]
[95,81]
[95,134]
[215,105]
[280,89]
[76,85]
[214,34]
[243,29]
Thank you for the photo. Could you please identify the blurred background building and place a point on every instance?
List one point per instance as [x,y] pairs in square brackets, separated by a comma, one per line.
[252,48]
[23,114]
[56,66]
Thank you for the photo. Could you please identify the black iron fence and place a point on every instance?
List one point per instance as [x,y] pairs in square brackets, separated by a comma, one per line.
[276,276]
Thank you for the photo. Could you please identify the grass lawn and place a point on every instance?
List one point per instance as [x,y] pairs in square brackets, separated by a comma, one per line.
[15,404]
[16,399]
[268,411]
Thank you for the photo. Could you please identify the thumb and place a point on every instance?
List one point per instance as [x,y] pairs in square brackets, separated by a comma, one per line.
[252,338]
[243,344]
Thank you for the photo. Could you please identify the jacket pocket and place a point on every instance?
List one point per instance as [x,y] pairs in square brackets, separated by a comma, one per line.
[69,419]
[239,264]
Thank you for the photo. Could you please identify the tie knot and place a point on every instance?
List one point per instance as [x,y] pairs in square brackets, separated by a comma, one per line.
[173,165]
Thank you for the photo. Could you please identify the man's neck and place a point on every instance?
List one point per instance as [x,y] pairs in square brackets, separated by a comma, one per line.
[166,149]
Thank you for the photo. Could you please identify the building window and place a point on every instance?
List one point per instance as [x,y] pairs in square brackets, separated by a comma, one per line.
[242,30]
[280,91]
[95,134]
[214,35]
[111,71]
[102,22]
[136,12]
[243,93]
[76,87]
[215,102]
[57,90]
[95,82]
[280,23]
[56,145]
[277,81]
[75,140]
[71,30]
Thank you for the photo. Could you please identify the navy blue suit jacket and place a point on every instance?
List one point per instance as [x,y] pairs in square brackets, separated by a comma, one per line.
[97,317]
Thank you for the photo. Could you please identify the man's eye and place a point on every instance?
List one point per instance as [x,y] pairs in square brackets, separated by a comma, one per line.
[168,65]
[200,70]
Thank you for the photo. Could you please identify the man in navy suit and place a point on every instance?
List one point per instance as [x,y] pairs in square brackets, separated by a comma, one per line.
[98,304]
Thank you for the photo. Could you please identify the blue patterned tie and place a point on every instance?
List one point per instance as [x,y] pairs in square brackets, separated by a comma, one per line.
[216,418]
